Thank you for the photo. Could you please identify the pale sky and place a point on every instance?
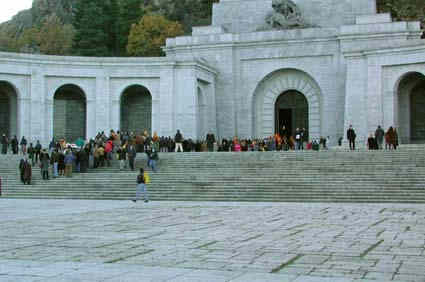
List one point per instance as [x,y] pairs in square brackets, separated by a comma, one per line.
[9,8]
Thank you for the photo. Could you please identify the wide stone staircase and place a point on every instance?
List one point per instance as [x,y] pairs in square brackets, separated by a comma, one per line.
[308,176]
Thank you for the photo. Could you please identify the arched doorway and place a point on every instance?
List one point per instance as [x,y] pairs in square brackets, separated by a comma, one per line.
[291,111]
[136,109]
[294,92]
[8,109]
[411,105]
[69,113]
[417,117]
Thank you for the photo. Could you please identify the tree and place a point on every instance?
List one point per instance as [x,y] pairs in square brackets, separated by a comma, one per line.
[111,13]
[54,37]
[147,36]
[131,13]
[89,23]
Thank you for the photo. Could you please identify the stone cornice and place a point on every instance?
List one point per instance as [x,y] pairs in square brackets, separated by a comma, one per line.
[416,45]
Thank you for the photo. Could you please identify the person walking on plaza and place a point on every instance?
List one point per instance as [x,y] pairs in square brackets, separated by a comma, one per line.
[351,136]
[69,160]
[379,136]
[4,144]
[23,144]
[131,154]
[142,180]
[210,141]
[45,161]
[37,151]
[14,144]
[178,139]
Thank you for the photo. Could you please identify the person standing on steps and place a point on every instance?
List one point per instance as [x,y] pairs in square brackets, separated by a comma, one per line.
[131,154]
[69,159]
[23,145]
[22,169]
[178,139]
[37,151]
[210,141]
[4,144]
[141,186]
[351,136]
[14,144]
[122,156]
[27,172]
[45,160]
[152,157]
[379,136]
[31,152]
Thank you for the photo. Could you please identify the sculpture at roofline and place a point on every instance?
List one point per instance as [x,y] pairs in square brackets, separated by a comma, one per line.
[286,15]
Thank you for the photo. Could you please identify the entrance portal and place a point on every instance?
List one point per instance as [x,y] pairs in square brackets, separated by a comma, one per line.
[8,109]
[69,113]
[136,110]
[411,104]
[417,117]
[291,111]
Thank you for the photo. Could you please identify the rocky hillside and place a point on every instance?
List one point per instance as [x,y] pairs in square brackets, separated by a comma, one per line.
[188,12]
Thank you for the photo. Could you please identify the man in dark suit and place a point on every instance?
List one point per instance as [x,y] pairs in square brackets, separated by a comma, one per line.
[351,136]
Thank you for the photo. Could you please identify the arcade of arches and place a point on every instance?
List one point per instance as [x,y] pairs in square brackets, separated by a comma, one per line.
[291,111]
[411,100]
[136,109]
[8,109]
[69,113]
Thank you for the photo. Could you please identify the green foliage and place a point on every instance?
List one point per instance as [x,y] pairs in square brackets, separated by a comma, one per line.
[131,12]
[147,36]
[102,27]
[405,10]
[91,38]
[51,38]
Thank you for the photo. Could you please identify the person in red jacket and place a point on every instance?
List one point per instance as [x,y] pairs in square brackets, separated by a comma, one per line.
[109,146]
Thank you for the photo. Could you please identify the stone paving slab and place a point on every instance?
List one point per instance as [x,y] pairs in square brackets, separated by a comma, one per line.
[66,240]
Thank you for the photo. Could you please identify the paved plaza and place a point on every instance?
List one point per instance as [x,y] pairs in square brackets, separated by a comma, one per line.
[63,240]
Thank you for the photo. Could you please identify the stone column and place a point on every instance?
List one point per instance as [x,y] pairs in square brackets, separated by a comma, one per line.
[49,104]
[102,104]
[91,119]
[356,98]
[39,116]
[167,98]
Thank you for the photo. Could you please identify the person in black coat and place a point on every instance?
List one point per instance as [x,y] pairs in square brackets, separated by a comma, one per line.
[4,144]
[14,144]
[351,136]
[210,141]
[84,160]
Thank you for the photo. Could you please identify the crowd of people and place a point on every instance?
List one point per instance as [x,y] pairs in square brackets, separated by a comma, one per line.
[62,158]
[376,140]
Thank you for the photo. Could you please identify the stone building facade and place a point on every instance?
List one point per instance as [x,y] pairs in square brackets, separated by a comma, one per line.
[238,77]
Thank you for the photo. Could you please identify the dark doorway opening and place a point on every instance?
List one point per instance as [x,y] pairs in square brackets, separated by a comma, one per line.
[291,111]
[284,119]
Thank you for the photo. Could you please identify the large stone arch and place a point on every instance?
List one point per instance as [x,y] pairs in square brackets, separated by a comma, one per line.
[271,88]
[8,109]
[136,109]
[70,113]
[409,102]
